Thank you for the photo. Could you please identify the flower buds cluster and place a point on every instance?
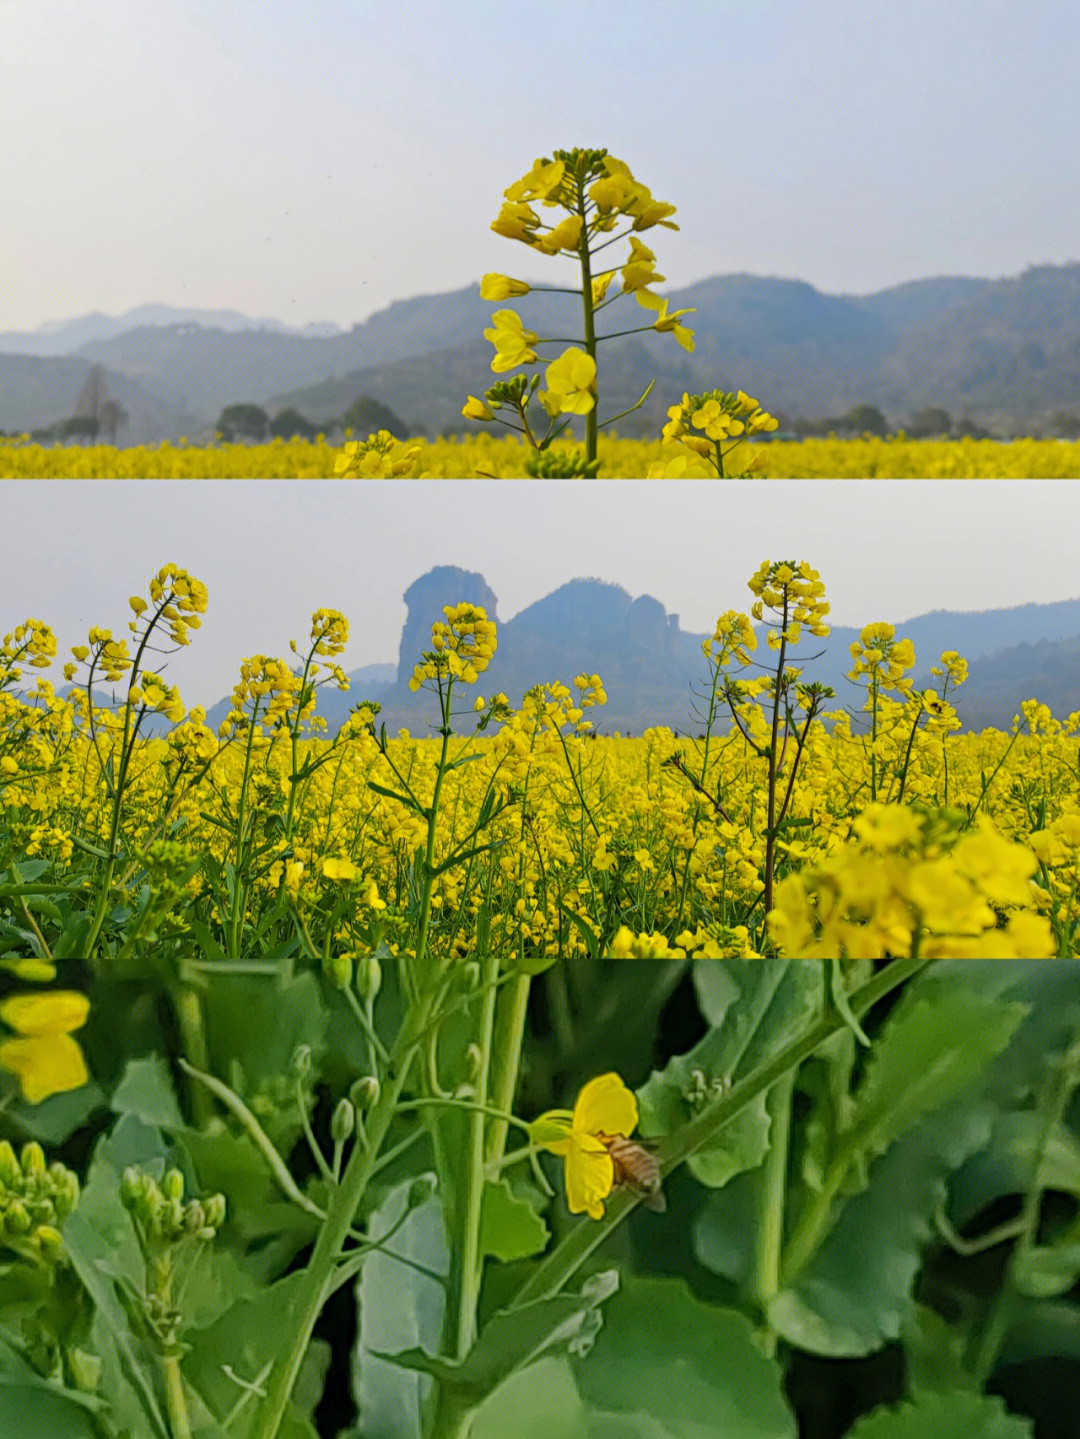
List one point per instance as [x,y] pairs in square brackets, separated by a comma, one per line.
[159,1210]
[35,1198]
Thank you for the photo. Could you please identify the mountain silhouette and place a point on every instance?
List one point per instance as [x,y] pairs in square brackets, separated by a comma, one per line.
[1002,354]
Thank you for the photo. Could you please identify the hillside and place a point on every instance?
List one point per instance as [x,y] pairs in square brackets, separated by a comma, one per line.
[653,670]
[1004,354]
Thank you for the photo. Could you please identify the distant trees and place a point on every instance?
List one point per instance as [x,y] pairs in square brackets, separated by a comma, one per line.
[365,416]
[928,422]
[1065,425]
[248,422]
[290,423]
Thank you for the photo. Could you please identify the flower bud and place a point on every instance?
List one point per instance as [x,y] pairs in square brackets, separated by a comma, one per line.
[339,968]
[84,1370]
[33,1159]
[368,977]
[302,1061]
[214,1209]
[474,1060]
[172,1186]
[48,1240]
[343,1121]
[10,1172]
[365,1093]
[17,1218]
[421,1190]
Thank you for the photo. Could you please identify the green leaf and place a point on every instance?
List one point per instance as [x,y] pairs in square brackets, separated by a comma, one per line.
[29,1405]
[393,794]
[667,1366]
[855,1293]
[1047,1270]
[936,1042]
[260,1024]
[944,1416]
[510,1227]
[514,1339]
[146,1091]
[541,1402]
[755,1007]
[934,1353]
[398,1306]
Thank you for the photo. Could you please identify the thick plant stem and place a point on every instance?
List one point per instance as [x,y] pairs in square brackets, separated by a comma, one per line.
[773,1191]
[175,1402]
[552,1274]
[320,1273]
[463,1288]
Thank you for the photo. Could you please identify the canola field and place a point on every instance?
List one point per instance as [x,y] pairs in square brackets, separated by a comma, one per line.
[488,456]
[788,828]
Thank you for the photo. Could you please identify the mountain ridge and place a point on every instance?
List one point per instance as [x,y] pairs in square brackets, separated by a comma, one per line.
[1002,353]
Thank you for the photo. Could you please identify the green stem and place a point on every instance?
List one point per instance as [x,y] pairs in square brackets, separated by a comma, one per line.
[994,1330]
[189,1018]
[175,1402]
[773,1191]
[321,1271]
[554,1272]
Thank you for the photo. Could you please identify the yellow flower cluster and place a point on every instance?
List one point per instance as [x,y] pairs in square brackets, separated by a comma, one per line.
[460,649]
[907,885]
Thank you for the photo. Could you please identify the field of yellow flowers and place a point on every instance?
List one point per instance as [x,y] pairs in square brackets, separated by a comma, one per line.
[487,456]
[794,829]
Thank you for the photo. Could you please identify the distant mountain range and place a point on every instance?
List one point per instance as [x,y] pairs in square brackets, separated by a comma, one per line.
[654,672]
[1003,354]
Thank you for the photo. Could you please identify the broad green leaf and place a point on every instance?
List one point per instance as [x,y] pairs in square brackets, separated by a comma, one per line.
[1048,1270]
[1007,1165]
[934,1353]
[146,1090]
[755,1007]
[259,1024]
[944,1416]
[541,1402]
[855,1293]
[1042,1329]
[244,1341]
[667,1366]
[514,1339]
[399,1307]
[934,1044]
[510,1227]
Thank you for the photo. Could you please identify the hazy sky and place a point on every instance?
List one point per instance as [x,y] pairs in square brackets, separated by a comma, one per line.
[272,551]
[317,161]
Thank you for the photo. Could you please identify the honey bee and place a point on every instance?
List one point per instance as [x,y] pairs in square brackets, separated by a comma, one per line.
[636,1168]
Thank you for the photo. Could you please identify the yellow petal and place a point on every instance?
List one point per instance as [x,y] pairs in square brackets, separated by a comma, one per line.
[46,1064]
[606,1106]
[57,1012]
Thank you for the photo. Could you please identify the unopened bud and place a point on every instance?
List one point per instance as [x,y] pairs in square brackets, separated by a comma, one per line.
[33,1159]
[48,1240]
[421,1190]
[172,1186]
[10,1172]
[214,1208]
[84,1370]
[365,1093]
[302,1060]
[474,1060]
[368,977]
[339,967]
[343,1121]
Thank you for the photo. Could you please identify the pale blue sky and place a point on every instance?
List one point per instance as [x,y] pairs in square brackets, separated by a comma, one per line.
[272,551]
[318,161]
